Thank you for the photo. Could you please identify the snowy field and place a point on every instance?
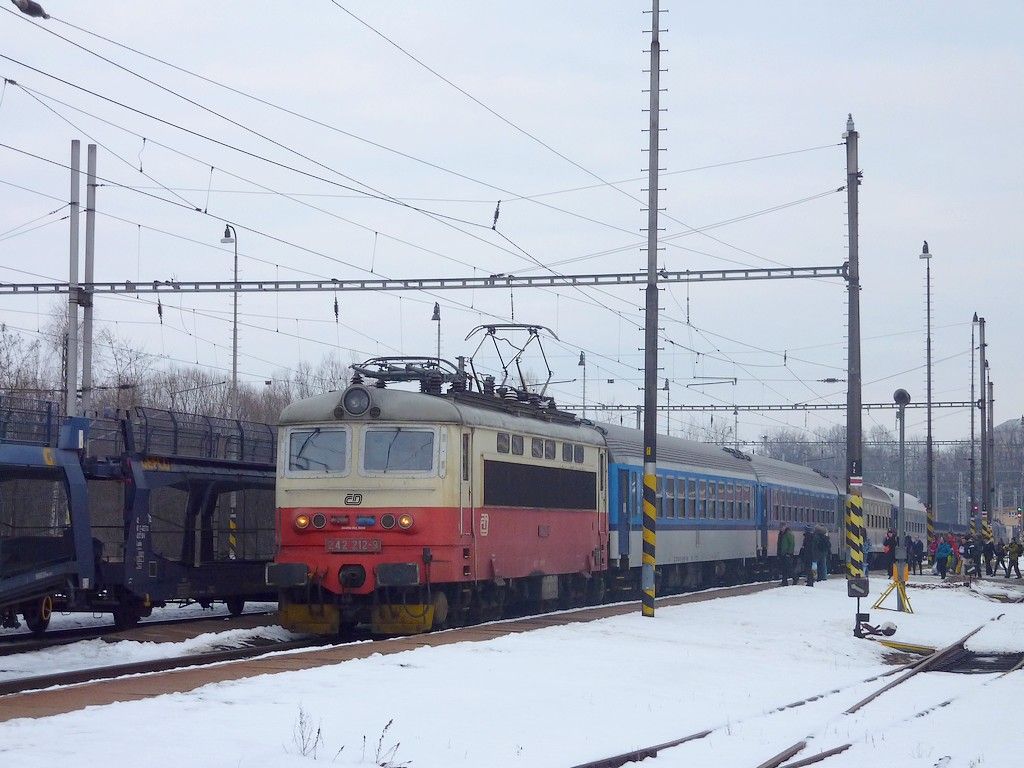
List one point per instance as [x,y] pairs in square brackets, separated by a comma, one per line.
[565,695]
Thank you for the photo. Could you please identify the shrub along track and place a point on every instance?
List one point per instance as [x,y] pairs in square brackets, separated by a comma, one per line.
[189,673]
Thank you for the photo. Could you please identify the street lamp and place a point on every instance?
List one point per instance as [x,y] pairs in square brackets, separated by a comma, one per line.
[231,237]
[902,398]
[583,364]
[929,455]
[437,317]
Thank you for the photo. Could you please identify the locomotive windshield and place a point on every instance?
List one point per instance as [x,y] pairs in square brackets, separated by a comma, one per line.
[398,450]
[318,450]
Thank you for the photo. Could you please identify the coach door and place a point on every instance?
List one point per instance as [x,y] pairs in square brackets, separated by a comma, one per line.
[466,484]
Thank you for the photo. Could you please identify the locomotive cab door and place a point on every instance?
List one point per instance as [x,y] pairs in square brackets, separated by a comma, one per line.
[466,484]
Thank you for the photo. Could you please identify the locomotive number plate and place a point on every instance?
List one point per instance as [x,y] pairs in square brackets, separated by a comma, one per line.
[353,545]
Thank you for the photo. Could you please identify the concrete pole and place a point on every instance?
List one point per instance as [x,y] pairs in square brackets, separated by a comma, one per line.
[71,374]
[648,561]
[854,467]
[87,296]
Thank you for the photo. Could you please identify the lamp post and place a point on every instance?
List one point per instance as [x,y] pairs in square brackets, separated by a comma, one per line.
[902,398]
[583,363]
[929,455]
[231,237]
[436,317]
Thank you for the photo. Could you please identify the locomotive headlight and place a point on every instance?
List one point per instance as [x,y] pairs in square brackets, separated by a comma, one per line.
[356,401]
[405,521]
[302,522]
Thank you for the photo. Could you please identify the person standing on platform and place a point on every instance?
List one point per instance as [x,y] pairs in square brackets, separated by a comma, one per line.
[988,551]
[1000,556]
[889,546]
[821,552]
[807,555]
[784,549]
[918,558]
[1014,552]
[942,554]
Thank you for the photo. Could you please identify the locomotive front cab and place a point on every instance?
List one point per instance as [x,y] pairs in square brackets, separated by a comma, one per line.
[367,512]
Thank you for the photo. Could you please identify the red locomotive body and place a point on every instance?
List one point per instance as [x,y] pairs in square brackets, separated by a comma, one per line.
[408,510]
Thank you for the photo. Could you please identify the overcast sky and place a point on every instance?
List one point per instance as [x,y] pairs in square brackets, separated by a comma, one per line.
[934,89]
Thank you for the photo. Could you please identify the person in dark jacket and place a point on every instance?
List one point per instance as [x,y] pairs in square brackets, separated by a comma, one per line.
[1013,552]
[807,555]
[822,545]
[919,556]
[1000,556]
[889,548]
[988,551]
[784,551]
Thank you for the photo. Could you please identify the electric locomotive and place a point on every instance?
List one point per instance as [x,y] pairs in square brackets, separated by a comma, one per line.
[412,510]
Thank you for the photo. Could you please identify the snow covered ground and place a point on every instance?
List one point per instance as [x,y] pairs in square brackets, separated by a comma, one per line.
[565,695]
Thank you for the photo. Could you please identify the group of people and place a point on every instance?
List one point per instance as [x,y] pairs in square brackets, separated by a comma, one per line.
[952,554]
[813,557]
[948,554]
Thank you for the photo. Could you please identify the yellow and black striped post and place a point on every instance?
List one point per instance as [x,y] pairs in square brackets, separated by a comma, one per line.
[971,528]
[986,530]
[931,525]
[855,528]
[232,538]
[650,537]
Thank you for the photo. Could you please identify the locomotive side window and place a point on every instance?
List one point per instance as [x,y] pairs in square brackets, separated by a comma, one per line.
[398,450]
[577,454]
[566,451]
[537,448]
[517,445]
[503,442]
[549,449]
[318,450]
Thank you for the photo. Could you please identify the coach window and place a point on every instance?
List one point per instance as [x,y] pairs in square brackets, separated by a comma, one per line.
[566,451]
[578,454]
[702,499]
[503,442]
[679,503]
[730,495]
[549,449]
[670,497]
[318,450]
[537,448]
[691,494]
[398,450]
[517,445]
[659,496]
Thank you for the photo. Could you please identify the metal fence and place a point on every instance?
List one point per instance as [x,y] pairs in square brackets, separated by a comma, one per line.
[166,433]
[27,421]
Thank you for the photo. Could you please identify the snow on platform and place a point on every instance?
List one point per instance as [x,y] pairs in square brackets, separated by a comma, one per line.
[564,695]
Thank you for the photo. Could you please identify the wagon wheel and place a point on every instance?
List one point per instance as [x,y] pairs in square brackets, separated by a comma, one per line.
[126,614]
[235,605]
[37,614]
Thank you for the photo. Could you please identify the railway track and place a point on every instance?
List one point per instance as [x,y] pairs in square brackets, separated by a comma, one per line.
[37,696]
[953,658]
[25,642]
[74,677]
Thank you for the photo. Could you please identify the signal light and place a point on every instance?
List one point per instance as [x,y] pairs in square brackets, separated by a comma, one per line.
[405,521]
[302,522]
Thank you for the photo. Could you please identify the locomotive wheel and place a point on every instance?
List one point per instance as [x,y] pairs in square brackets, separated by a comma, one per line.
[37,614]
[440,602]
[596,589]
[235,605]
